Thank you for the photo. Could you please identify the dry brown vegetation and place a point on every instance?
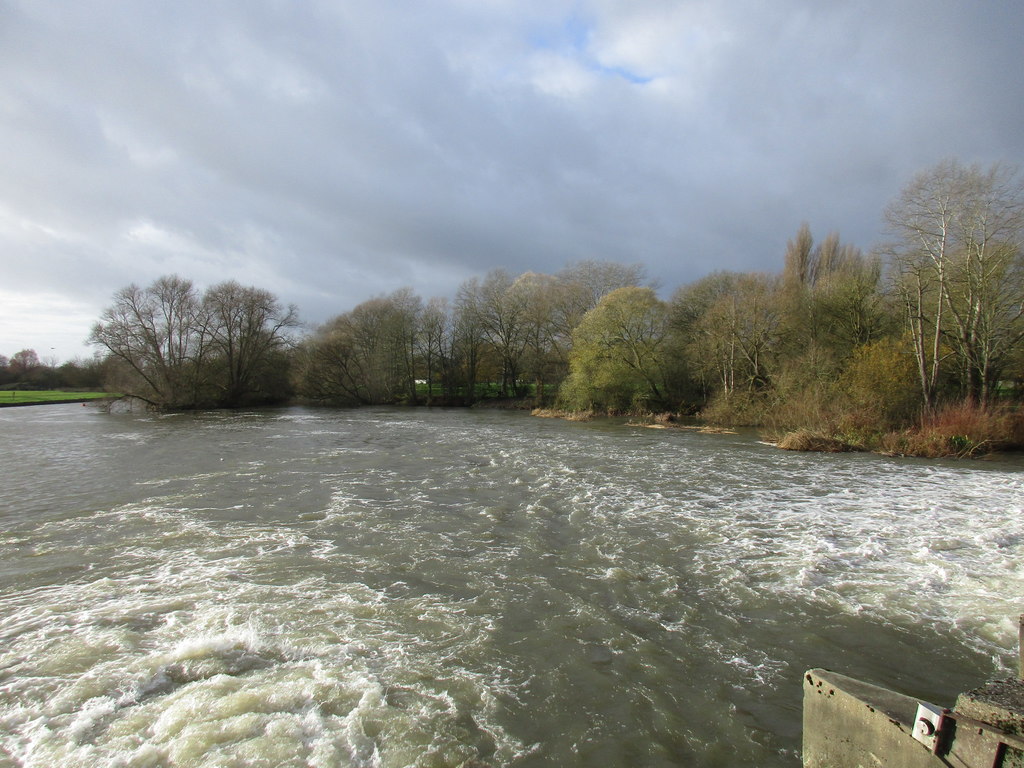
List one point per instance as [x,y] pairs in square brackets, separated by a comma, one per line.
[557,413]
[960,430]
[806,440]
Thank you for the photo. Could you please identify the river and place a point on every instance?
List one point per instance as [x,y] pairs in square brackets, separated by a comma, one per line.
[385,587]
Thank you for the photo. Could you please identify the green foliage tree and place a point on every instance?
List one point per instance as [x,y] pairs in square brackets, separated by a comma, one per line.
[879,387]
[618,358]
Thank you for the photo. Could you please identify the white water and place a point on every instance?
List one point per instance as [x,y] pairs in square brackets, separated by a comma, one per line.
[392,588]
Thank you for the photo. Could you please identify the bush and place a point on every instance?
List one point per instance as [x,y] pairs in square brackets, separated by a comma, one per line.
[880,386]
[736,409]
[960,430]
[806,440]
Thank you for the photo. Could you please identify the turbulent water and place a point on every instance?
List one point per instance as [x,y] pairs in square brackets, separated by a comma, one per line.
[460,588]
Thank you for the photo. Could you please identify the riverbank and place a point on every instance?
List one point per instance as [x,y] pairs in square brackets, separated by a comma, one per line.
[959,431]
[18,398]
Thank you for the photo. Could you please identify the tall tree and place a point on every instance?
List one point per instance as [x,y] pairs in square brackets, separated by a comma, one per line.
[618,356]
[434,345]
[582,285]
[956,258]
[245,327]
[542,358]
[368,355]
[500,310]
[159,332]
[23,363]
[468,338]
[183,351]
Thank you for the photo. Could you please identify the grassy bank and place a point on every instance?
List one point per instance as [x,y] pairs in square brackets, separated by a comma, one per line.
[48,397]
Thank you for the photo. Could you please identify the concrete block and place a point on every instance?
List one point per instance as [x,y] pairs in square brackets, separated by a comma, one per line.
[852,724]
[999,703]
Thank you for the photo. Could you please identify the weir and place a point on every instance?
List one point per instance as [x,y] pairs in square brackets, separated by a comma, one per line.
[848,723]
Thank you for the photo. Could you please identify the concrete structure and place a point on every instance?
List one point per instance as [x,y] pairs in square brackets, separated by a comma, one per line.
[852,724]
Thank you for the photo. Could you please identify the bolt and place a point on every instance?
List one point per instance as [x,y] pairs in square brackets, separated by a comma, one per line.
[926,726]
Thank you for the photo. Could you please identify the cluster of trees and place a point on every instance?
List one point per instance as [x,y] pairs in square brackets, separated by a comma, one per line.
[838,335]
[175,348]
[26,370]
[510,336]
[840,340]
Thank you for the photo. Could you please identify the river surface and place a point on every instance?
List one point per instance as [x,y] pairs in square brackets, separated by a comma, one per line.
[435,588]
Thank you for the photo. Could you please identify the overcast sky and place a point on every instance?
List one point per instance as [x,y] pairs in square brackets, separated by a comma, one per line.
[334,151]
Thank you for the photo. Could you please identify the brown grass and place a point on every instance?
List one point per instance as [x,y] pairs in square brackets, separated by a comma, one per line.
[960,430]
[806,440]
[555,413]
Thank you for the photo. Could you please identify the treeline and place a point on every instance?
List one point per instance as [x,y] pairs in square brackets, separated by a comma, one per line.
[850,346]
[503,336]
[27,371]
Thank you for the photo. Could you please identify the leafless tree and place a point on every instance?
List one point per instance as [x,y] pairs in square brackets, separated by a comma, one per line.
[957,263]
[159,332]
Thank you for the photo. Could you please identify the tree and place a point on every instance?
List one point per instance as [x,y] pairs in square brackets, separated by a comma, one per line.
[245,328]
[733,323]
[499,310]
[23,363]
[542,360]
[366,356]
[617,362]
[183,351]
[711,354]
[160,333]
[581,286]
[333,370]
[878,383]
[853,308]
[958,268]
[434,342]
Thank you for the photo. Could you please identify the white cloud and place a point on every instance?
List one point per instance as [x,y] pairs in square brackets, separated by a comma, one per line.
[51,324]
[679,41]
[556,75]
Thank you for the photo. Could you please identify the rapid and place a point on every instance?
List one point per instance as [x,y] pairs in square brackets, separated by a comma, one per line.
[433,588]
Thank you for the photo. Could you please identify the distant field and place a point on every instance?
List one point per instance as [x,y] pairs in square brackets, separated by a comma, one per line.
[43,397]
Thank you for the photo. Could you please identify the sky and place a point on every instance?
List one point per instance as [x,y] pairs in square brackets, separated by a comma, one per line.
[335,151]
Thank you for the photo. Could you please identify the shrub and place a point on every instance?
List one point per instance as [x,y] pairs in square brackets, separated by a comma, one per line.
[963,429]
[738,408]
[880,386]
[806,440]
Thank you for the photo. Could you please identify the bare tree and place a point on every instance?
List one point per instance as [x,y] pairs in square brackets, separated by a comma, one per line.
[244,327]
[183,351]
[500,311]
[582,285]
[957,266]
[159,332]
[434,343]
[368,355]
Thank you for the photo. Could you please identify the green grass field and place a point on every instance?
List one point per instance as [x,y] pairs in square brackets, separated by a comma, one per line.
[42,397]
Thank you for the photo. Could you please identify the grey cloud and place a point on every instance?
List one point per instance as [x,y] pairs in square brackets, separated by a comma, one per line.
[334,152]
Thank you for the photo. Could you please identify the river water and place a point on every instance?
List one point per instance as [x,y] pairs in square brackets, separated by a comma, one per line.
[388,587]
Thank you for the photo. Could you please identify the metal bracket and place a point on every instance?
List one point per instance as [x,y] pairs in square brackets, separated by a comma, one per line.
[928,724]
